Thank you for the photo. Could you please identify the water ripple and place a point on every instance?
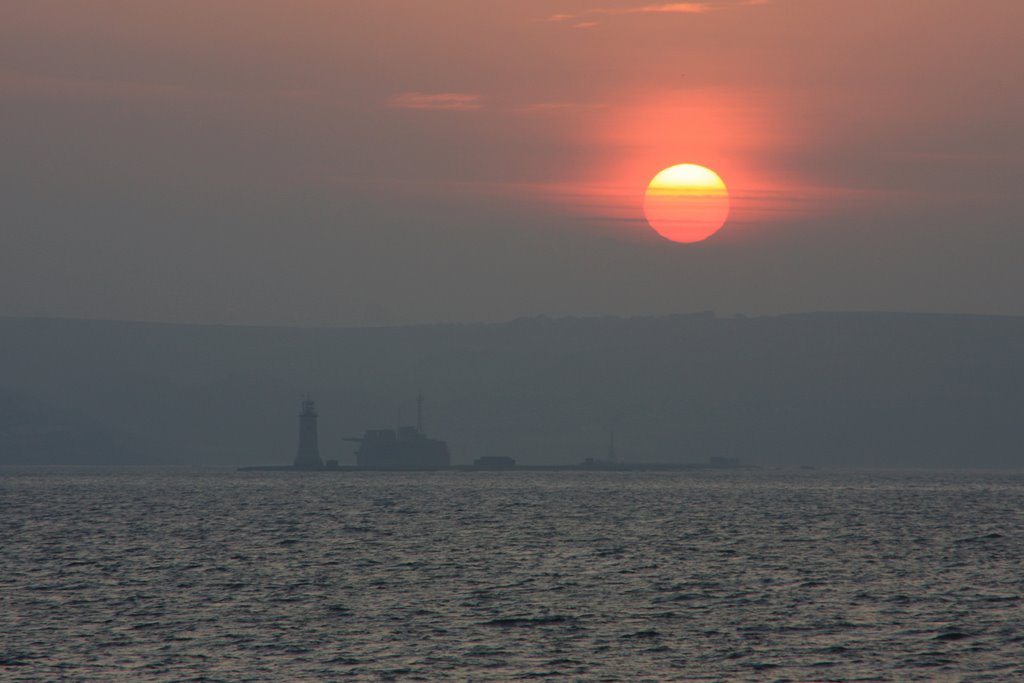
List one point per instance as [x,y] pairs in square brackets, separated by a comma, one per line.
[759,576]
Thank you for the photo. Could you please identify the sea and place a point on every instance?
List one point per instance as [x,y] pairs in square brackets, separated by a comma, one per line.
[732,575]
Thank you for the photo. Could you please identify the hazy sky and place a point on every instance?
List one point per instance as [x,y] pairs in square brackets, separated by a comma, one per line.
[392,161]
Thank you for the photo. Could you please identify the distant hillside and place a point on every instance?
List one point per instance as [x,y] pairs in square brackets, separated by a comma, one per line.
[825,389]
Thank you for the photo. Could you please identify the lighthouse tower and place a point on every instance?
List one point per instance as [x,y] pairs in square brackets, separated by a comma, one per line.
[308,455]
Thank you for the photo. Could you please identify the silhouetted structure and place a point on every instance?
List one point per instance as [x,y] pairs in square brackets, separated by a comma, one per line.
[307,457]
[405,448]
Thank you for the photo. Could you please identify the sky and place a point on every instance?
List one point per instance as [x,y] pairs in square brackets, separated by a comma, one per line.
[382,162]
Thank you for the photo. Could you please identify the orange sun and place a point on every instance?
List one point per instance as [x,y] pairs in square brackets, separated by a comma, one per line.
[686,203]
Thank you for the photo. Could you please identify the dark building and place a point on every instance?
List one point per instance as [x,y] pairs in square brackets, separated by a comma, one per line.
[308,455]
[405,448]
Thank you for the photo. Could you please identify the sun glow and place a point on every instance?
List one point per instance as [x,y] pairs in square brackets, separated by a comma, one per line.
[686,203]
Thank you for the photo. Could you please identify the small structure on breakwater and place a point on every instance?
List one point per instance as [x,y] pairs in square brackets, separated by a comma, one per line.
[494,462]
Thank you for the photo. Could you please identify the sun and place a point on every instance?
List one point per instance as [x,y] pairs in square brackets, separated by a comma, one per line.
[686,203]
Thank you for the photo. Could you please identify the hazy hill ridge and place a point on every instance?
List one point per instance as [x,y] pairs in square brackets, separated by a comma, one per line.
[830,388]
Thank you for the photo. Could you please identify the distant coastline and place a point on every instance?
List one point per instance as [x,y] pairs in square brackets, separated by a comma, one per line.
[862,390]
[581,467]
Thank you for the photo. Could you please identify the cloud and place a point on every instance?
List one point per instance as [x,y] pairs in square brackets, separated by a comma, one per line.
[443,101]
[543,108]
[586,19]
[76,88]
[667,8]
[660,8]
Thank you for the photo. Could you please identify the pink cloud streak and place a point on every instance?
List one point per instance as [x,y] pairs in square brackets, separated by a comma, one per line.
[445,101]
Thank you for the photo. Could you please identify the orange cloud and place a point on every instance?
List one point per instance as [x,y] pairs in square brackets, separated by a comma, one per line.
[655,8]
[558,107]
[445,101]
[662,8]
[669,8]
[50,86]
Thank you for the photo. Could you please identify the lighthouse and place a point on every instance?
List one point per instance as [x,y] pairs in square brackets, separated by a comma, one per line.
[308,455]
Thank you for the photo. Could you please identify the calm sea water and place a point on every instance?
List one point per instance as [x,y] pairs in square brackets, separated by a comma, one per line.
[719,576]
